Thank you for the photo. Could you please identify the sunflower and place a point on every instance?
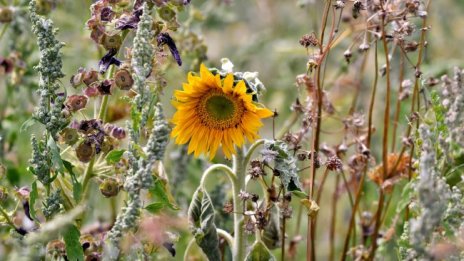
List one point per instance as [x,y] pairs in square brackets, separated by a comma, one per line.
[213,111]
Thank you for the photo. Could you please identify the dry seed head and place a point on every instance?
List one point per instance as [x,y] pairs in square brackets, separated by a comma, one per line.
[76,102]
[90,77]
[401,169]
[109,187]
[123,79]
[85,151]
[111,41]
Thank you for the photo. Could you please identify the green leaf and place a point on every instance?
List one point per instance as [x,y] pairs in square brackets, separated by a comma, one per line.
[32,198]
[114,156]
[406,196]
[56,157]
[284,163]
[73,246]
[300,194]
[201,220]
[271,234]
[77,187]
[162,193]
[27,124]
[155,208]
[259,252]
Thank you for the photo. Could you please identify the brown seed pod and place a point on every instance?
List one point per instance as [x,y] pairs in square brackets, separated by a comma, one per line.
[123,79]
[85,151]
[76,79]
[111,41]
[76,102]
[90,77]
[68,136]
[6,15]
[109,187]
[91,91]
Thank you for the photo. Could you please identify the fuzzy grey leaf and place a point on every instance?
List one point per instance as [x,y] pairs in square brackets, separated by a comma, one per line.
[201,220]
[259,252]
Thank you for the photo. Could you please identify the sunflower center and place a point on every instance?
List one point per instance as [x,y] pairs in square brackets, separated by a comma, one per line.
[219,110]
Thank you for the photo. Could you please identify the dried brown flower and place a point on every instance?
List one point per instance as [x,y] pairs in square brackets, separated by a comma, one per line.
[76,102]
[400,170]
[309,40]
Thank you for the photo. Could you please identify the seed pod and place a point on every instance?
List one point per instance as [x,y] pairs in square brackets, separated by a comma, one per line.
[123,79]
[85,151]
[76,79]
[91,91]
[109,187]
[76,102]
[166,13]
[108,144]
[3,194]
[6,15]
[90,77]
[111,41]
[43,7]
[68,136]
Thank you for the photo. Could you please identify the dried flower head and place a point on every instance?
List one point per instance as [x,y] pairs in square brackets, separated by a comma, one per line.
[334,163]
[308,40]
[123,79]
[76,102]
[109,187]
[397,167]
[85,151]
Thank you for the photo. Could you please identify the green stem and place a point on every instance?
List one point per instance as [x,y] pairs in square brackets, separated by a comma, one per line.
[7,218]
[230,173]
[226,236]
[4,29]
[239,166]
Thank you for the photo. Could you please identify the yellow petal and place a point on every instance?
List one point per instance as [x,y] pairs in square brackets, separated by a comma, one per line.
[228,83]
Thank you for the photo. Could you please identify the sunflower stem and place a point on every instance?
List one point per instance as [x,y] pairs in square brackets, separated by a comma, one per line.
[239,166]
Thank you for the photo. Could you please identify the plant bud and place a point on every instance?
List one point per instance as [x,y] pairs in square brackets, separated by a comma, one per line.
[109,187]
[85,151]
[90,77]
[123,79]
[68,136]
[111,41]
[6,15]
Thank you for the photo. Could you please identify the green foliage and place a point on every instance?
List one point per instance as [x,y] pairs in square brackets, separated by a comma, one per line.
[259,252]
[201,220]
[73,246]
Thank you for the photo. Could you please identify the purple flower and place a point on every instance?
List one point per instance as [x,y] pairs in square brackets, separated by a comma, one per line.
[108,60]
[165,38]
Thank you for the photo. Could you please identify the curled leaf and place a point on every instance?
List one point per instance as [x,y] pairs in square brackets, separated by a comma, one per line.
[201,220]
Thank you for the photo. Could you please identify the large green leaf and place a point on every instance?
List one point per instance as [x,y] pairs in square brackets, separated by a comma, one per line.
[73,246]
[162,194]
[201,220]
[259,252]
